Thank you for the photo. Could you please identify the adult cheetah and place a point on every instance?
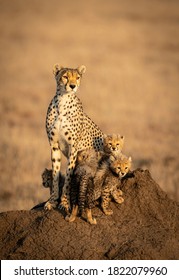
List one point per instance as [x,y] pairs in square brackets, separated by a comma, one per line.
[69,130]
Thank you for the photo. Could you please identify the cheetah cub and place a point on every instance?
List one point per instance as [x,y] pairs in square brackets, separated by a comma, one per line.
[108,179]
[47,180]
[113,144]
[91,182]
[82,179]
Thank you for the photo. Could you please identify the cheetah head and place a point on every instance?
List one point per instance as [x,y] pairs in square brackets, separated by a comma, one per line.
[68,79]
[120,165]
[86,156]
[113,143]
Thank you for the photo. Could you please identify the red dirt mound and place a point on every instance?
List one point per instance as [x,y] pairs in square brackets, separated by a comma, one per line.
[145,226]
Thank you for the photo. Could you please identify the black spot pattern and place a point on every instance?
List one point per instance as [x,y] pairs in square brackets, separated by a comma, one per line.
[66,111]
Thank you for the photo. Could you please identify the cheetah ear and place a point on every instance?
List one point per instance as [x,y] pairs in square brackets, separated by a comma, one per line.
[109,135]
[56,69]
[130,159]
[81,69]
[105,136]
[123,137]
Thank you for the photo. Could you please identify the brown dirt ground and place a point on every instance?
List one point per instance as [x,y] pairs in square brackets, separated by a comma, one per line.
[145,226]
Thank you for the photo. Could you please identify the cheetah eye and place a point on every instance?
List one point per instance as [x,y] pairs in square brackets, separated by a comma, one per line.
[65,77]
[77,78]
[119,168]
[126,168]
[110,144]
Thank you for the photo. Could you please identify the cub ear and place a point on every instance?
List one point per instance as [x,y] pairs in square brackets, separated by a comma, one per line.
[123,137]
[130,159]
[81,69]
[56,69]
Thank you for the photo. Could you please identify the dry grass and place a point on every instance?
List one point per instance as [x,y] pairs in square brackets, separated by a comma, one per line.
[131,85]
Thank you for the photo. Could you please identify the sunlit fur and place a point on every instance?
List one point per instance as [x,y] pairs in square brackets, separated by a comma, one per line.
[68,79]
[69,130]
[113,143]
[120,165]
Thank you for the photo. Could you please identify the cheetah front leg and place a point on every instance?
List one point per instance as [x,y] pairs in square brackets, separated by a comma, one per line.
[117,195]
[56,164]
[65,198]
[105,201]
[72,216]
[90,218]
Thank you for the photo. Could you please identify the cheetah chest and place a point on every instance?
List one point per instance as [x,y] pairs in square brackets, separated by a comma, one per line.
[68,122]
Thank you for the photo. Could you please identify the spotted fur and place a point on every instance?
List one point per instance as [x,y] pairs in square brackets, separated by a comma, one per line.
[82,179]
[92,181]
[69,130]
[47,180]
[113,144]
[109,178]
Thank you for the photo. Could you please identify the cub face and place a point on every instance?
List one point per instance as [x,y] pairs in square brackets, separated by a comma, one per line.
[113,144]
[47,178]
[68,79]
[120,166]
[86,156]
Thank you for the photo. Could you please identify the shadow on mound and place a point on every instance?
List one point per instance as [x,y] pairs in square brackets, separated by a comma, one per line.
[145,226]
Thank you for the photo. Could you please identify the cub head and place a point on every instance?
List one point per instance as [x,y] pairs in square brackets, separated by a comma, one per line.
[113,144]
[47,178]
[86,156]
[68,79]
[121,165]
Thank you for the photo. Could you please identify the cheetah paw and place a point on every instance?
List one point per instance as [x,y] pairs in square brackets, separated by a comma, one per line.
[70,218]
[92,221]
[108,212]
[120,192]
[50,205]
[120,200]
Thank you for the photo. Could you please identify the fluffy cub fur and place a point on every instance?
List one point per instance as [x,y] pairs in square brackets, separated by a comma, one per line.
[108,179]
[91,182]
[96,174]
[113,144]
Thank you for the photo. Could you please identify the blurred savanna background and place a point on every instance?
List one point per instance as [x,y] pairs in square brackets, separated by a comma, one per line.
[131,86]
